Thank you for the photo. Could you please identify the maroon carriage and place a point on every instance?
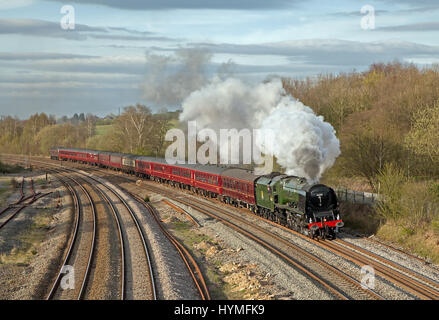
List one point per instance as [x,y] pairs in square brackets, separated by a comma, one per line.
[207,179]
[238,187]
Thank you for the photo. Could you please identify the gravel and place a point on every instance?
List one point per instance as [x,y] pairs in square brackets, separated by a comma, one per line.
[382,286]
[282,273]
[173,281]
[104,276]
[428,270]
[33,281]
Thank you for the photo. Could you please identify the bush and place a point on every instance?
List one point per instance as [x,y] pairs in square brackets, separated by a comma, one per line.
[407,203]
[390,182]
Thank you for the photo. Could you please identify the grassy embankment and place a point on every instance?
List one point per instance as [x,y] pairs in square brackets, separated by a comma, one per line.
[408,215]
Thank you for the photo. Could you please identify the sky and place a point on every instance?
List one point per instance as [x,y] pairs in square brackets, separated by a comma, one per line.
[101,64]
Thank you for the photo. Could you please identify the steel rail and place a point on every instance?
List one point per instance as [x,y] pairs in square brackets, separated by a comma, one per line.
[92,245]
[183,252]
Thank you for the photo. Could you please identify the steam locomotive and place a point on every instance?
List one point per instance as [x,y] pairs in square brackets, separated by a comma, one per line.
[291,201]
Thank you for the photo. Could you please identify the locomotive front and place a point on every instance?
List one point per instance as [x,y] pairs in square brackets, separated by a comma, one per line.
[322,212]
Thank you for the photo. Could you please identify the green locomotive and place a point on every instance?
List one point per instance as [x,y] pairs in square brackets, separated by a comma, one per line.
[293,202]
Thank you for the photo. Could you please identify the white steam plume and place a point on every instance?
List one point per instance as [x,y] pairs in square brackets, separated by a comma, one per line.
[304,144]
[170,79]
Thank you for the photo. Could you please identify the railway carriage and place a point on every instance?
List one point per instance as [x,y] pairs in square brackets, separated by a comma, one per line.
[207,179]
[143,167]
[238,187]
[182,176]
[73,154]
[54,153]
[93,157]
[116,161]
[110,160]
[153,168]
[160,170]
[129,163]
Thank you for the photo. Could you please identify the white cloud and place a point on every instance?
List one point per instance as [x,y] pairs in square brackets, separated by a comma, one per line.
[8,4]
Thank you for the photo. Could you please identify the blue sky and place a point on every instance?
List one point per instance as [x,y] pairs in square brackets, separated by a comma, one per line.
[101,65]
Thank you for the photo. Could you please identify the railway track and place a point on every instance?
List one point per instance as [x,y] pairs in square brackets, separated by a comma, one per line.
[20,200]
[348,283]
[416,284]
[8,213]
[189,261]
[338,283]
[81,244]
[392,248]
[128,289]
[133,288]
[120,201]
[121,245]
[73,244]
[411,284]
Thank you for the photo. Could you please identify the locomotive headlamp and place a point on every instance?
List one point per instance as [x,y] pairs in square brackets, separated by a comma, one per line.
[339,224]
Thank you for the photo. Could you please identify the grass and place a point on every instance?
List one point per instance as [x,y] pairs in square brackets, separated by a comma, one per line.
[184,231]
[403,219]
[421,241]
[103,129]
[174,123]
[29,240]
[7,186]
